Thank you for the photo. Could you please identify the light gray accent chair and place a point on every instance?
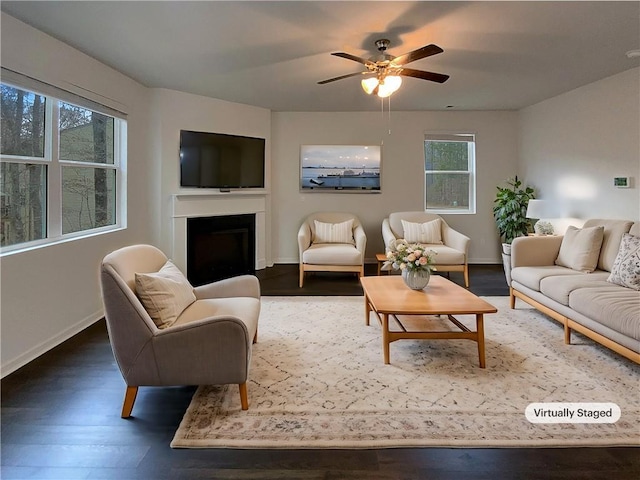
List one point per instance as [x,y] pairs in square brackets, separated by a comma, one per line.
[209,344]
[330,257]
[452,255]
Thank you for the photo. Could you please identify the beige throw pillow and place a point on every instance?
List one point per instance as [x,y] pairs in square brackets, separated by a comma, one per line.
[333,232]
[428,232]
[626,267]
[164,294]
[580,248]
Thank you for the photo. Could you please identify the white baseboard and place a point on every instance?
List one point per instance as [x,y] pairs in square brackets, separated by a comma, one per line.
[33,353]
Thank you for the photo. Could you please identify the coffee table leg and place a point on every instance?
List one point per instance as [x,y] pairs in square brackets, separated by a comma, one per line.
[367,310]
[480,333]
[385,337]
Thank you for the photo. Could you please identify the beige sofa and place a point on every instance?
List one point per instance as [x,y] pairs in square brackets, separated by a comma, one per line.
[164,332]
[331,242]
[451,246]
[585,302]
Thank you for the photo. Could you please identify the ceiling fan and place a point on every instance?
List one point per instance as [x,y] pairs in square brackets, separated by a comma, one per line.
[384,71]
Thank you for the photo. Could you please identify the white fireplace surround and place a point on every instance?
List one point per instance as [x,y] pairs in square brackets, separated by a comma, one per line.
[192,205]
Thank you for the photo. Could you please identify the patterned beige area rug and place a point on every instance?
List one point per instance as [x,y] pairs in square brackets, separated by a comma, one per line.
[318,380]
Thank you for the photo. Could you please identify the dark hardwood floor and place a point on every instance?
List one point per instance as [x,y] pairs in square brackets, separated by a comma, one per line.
[60,420]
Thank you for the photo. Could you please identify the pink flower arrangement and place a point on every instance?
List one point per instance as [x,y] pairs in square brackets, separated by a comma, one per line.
[411,256]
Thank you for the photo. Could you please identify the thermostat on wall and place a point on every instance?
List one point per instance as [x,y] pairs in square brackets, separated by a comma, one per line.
[621,182]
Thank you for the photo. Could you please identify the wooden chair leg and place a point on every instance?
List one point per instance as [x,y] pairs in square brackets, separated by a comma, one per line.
[129,400]
[255,337]
[301,276]
[466,275]
[244,398]
[567,333]
[512,299]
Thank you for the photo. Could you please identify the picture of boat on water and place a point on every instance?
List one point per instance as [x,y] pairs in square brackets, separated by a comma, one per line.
[340,167]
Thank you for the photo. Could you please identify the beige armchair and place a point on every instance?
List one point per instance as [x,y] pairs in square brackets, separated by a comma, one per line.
[331,242]
[206,343]
[452,247]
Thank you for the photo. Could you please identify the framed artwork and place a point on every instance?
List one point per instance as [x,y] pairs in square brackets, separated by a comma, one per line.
[340,168]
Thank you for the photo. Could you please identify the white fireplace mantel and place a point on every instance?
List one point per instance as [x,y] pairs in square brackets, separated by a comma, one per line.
[191,205]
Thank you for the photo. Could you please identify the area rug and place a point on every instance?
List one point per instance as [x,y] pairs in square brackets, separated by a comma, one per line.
[318,380]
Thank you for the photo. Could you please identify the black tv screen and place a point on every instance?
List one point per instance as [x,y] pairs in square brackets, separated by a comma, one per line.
[217,160]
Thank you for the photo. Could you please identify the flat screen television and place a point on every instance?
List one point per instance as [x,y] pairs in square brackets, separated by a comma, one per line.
[217,160]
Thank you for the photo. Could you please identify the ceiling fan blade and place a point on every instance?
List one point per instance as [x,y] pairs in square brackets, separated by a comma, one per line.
[434,77]
[341,77]
[423,52]
[348,56]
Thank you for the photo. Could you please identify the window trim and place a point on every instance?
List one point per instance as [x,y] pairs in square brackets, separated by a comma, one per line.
[54,164]
[452,136]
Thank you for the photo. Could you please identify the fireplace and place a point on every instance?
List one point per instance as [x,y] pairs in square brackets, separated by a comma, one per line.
[220,247]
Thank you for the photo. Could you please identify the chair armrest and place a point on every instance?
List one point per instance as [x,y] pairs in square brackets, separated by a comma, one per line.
[361,239]
[535,251]
[304,238]
[456,240]
[387,234]
[208,351]
[240,286]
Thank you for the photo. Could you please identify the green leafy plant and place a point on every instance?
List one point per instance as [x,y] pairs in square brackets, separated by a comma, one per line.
[510,210]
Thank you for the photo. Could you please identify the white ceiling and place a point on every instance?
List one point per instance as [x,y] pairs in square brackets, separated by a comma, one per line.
[500,55]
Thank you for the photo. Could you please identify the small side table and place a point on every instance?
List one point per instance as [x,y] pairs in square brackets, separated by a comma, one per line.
[381,258]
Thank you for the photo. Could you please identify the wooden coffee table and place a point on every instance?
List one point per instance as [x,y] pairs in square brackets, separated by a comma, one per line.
[388,296]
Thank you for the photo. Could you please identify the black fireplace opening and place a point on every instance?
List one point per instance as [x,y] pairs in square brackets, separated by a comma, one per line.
[220,247]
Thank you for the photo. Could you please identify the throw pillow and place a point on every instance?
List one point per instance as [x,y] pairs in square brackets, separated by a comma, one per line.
[428,232]
[164,294]
[626,266]
[333,232]
[580,248]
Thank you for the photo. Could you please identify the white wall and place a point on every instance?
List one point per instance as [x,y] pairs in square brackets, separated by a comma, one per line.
[51,293]
[574,144]
[402,172]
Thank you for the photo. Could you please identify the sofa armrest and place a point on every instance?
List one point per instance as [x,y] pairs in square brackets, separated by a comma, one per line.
[387,234]
[213,350]
[240,286]
[304,238]
[535,251]
[360,238]
[456,240]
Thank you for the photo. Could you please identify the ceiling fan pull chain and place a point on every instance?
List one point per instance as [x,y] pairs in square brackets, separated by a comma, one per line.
[389,107]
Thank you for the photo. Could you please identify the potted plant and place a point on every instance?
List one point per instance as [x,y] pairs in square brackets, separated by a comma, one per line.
[510,213]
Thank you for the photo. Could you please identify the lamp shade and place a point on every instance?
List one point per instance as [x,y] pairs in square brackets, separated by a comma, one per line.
[390,84]
[369,84]
[536,209]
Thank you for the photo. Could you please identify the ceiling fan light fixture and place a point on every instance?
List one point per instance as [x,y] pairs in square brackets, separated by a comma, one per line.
[388,85]
[369,84]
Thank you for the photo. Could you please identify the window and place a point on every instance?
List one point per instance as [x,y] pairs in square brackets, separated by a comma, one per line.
[449,161]
[61,169]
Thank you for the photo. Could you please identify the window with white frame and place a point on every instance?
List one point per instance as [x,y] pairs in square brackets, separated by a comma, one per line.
[449,160]
[62,168]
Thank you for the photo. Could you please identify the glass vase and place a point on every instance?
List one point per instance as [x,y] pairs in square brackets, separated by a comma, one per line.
[416,279]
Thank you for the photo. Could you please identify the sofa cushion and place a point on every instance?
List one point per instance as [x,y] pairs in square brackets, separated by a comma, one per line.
[613,231]
[559,287]
[626,268]
[531,277]
[425,233]
[333,232]
[164,294]
[617,308]
[446,255]
[332,254]
[580,248]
